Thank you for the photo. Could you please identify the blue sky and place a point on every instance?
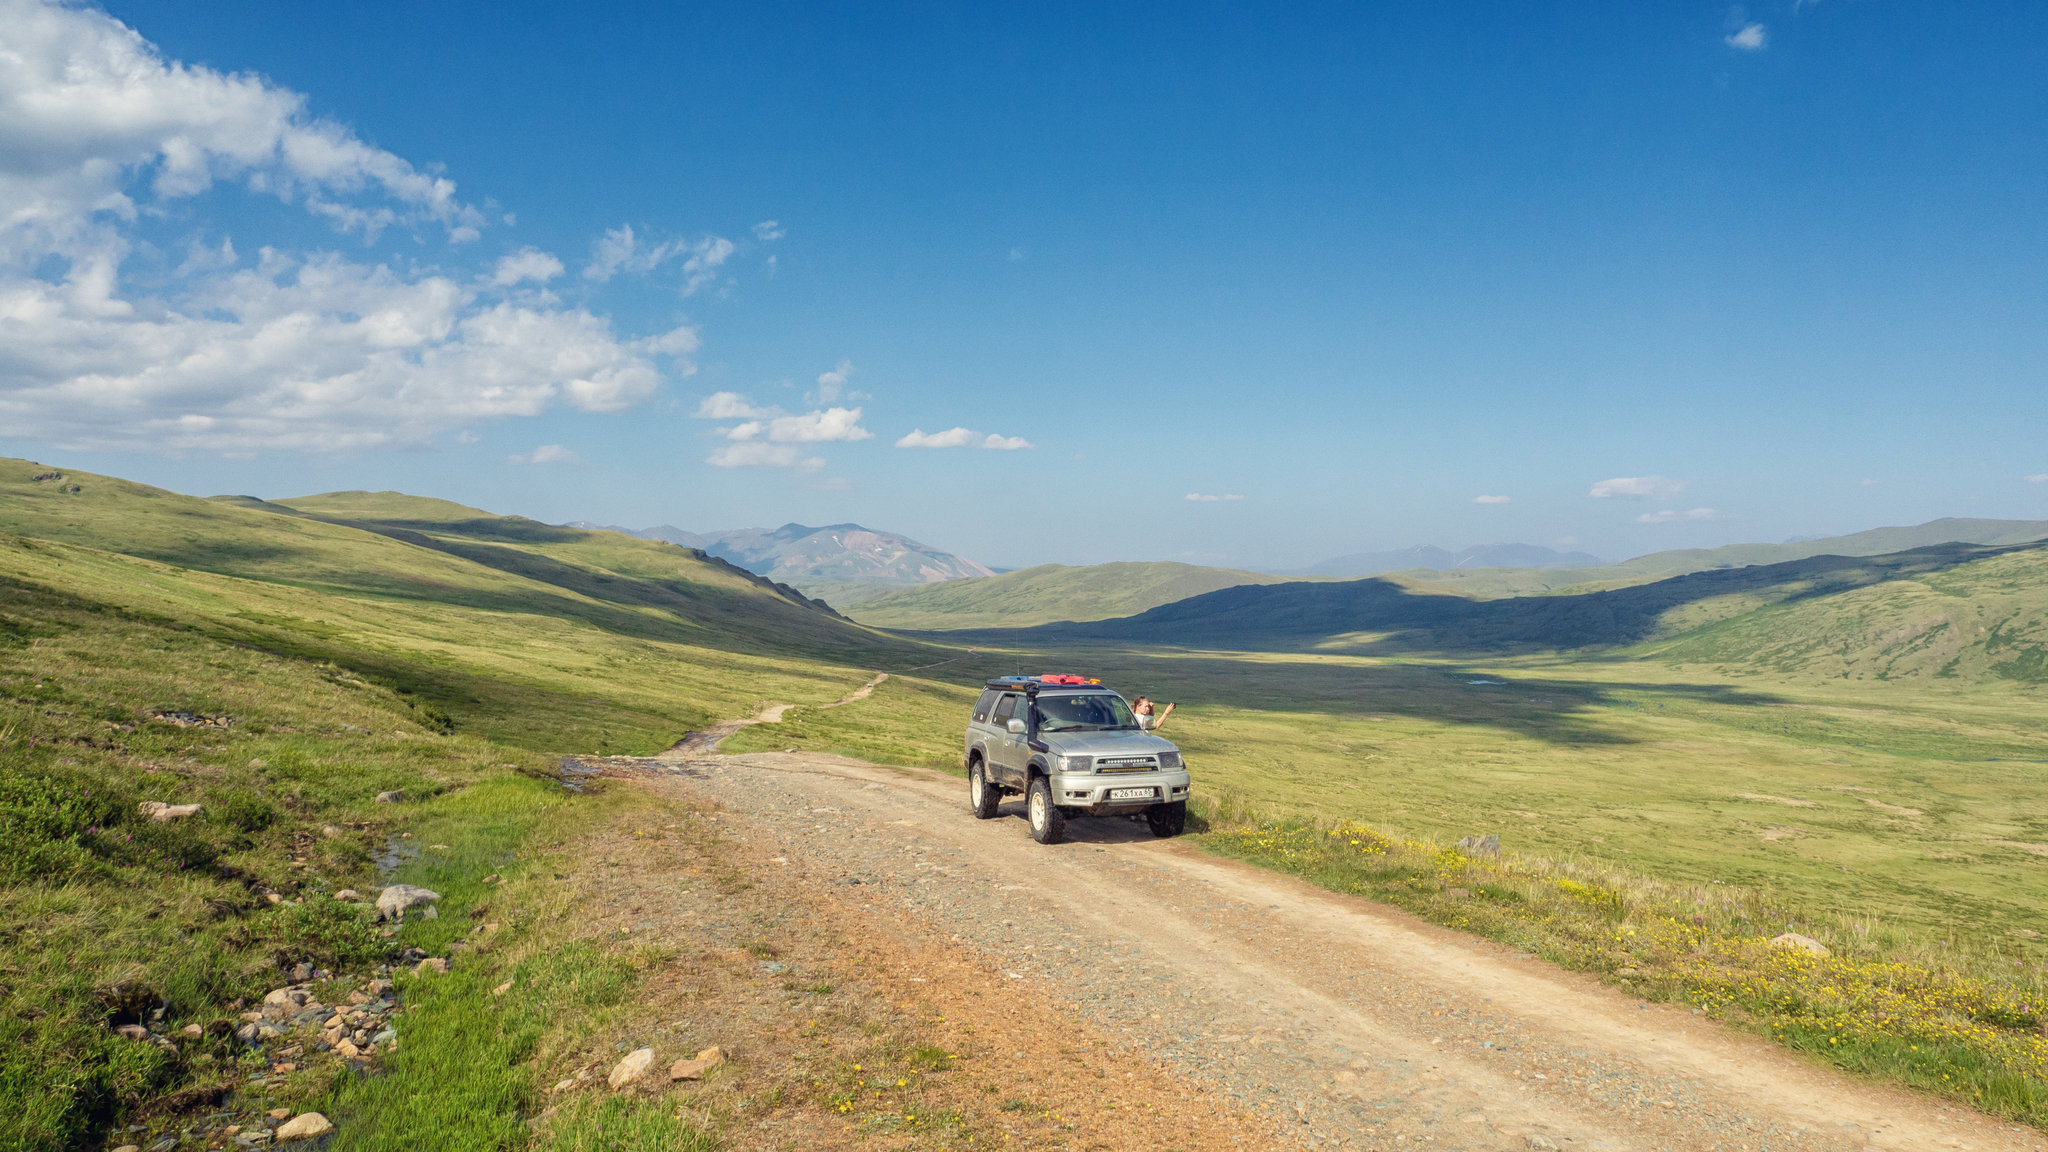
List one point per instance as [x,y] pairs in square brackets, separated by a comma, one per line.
[1750,272]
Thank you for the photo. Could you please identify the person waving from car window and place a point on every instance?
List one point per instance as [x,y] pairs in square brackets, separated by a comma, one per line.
[1149,720]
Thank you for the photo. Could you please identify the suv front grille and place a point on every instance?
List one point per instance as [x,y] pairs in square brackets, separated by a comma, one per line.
[1127,764]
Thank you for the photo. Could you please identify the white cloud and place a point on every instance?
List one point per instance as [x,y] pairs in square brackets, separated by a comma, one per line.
[1667,516]
[808,428]
[99,133]
[768,230]
[89,111]
[1749,38]
[950,438]
[830,383]
[731,406]
[1492,499]
[755,454]
[1199,498]
[525,264]
[621,250]
[547,454]
[2038,478]
[1637,487]
[1006,443]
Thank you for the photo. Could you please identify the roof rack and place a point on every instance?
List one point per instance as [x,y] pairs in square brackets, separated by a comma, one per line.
[1046,680]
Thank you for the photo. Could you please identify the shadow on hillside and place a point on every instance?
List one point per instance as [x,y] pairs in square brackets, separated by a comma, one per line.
[1378,617]
[1554,710]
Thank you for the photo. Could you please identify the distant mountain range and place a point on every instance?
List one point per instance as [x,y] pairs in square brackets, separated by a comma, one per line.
[816,558]
[1437,559]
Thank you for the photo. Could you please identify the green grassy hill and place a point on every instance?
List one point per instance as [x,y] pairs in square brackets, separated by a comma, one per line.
[1955,610]
[1664,565]
[1047,593]
[561,637]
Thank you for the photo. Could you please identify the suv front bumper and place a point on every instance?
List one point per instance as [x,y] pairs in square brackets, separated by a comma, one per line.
[1097,793]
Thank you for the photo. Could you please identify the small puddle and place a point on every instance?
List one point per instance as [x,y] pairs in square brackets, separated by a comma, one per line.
[397,851]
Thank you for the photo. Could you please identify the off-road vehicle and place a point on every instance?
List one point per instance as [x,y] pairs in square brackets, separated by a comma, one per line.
[1070,747]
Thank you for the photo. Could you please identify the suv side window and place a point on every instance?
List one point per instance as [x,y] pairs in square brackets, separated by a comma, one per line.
[981,706]
[1004,710]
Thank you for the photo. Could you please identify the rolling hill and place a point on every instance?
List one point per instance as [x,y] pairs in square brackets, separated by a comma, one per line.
[1954,610]
[1431,558]
[554,635]
[1047,593]
[1527,581]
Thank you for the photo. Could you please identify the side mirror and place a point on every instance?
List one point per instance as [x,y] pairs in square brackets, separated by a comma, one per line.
[1016,727]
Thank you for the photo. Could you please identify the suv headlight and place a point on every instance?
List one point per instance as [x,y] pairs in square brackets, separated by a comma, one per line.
[1077,763]
[1169,761]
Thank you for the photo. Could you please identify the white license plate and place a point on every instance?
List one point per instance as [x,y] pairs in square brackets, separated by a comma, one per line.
[1133,793]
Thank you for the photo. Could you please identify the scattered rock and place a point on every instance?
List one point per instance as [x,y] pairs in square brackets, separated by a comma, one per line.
[562,1086]
[395,796]
[273,898]
[433,964]
[192,1030]
[304,1126]
[348,1049]
[438,848]
[706,1060]
[393,901]
[302,973]
[1487,845]
[348,894]
[491,879]
[1539,1143]
[132,1032]
[279,1113]
[158,810]
[379,987]
[1806,944]
[129,1148]
[632,1069]
[501,989]
[332,831]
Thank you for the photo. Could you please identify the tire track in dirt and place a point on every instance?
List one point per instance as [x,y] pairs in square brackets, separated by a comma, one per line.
[1352,1023]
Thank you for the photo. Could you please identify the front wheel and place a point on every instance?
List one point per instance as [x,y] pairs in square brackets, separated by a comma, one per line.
[1048,823]
[981,797]
[1168,819]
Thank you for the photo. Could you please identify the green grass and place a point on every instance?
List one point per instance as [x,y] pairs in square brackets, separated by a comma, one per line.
[1045,594]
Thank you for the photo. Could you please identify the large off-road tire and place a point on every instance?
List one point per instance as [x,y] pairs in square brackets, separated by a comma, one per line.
[1048,822]
[982,796]
[1168,819]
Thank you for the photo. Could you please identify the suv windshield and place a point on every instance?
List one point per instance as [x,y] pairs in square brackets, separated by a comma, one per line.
[1084,712]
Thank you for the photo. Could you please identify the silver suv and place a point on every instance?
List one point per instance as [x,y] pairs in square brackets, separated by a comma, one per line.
[1070,747]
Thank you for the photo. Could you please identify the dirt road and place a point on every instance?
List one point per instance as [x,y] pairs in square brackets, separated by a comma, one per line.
[1347,1022]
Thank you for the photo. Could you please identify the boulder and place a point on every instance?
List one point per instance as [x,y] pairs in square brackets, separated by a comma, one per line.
[1806,944]
[160,811]
[393,901]
[632,1069]
[1487,845]
[706,1060]
[304,1126]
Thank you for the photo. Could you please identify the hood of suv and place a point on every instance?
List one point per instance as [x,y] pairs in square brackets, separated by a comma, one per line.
[1099,744]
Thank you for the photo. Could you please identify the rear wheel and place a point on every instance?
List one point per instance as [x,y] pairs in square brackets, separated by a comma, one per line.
[1168,819]
[982,797]
[1048,823]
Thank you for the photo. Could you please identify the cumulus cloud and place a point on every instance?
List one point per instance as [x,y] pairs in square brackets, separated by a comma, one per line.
[523,265]
[731,406]
[1636,488]
[1749,38]
[547,454]
[1667,516]
[756,454]
[950,438]
[962,438]
[1492,499]
[2038,478]
[1199,498]
[768,230]
[806,428]
[99,135]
